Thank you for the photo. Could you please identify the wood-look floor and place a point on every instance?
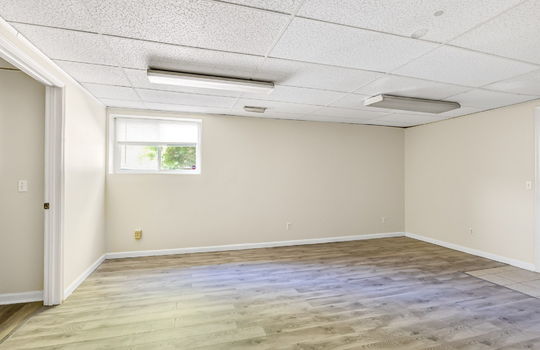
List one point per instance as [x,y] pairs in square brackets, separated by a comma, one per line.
[394,293]
[14,315]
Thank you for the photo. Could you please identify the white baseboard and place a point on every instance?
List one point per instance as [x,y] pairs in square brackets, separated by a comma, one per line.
[216,248]
[502,259]
[83,276]
[23,297]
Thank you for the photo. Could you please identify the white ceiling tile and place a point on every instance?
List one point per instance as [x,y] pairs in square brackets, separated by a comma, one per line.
[206,24]
[354,101]
[93,73]
[68,45]
[139,79]
[112,92]
[274,5]
[319,42]
[275,106]
[298,117]
[404,86]
[173,57]
[485,99]
[267,114]
[316,76]
[185,108]
[401,121]
[297,95]
[348,113]
[410,118]
[109,102]
[185,98]
[336,119]
[528,84]
[464,67]
[62,14]
[395,123]
[407,17]
[458,112]
[512,34]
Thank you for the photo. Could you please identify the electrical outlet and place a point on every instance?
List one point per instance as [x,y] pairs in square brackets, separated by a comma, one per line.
[137,234]
[288,226]
[383,219]
[470,230]
[528,185]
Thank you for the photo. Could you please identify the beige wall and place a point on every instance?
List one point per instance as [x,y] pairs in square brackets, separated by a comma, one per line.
[85,160]
[22,122]
[85,167]
[471,172]
[326,179]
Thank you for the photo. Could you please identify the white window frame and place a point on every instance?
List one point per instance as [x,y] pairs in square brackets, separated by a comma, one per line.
[114,164]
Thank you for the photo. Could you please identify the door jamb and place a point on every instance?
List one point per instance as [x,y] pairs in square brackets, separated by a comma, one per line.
[537,188]
[53,279]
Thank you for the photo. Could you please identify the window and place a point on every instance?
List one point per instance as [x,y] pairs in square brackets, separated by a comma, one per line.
[150,145]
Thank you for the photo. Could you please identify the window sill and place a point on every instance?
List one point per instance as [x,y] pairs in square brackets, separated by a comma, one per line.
[134,172]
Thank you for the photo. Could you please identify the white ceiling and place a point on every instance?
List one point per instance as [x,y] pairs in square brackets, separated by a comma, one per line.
[325,56]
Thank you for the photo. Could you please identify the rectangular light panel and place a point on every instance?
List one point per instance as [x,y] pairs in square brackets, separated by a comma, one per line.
[208,81]
[410,104]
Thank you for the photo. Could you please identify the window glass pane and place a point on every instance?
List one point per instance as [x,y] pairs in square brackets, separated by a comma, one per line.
[155,130]
[178,132]
[178,157]
[138,157]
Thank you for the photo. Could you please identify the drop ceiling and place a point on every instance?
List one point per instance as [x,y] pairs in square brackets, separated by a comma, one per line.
[325,56]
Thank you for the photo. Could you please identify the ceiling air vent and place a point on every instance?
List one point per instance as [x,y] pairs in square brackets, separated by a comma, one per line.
[254,109]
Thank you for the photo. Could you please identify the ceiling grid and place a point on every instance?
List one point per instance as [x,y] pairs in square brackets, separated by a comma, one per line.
[325,56]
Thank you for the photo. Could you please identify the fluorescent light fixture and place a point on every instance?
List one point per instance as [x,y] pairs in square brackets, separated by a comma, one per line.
[410,104]
[254,109]
[208,81]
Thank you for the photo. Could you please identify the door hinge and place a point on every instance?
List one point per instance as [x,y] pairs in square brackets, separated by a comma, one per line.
[46,205]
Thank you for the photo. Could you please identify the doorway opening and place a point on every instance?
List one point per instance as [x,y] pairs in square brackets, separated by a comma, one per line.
[52,155]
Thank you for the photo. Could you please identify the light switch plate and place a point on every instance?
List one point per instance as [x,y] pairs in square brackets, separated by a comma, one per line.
[22,185]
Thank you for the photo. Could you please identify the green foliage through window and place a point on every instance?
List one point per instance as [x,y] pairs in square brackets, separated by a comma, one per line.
[173,157]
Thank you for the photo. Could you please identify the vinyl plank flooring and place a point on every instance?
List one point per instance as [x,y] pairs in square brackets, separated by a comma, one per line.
[14,315]
[395,293]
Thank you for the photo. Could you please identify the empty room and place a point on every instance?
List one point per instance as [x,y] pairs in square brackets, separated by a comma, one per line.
[269,174]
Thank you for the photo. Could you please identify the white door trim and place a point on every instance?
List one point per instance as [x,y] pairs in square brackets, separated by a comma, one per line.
[20,59]
[53,278]
[537,188]
[15,50]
